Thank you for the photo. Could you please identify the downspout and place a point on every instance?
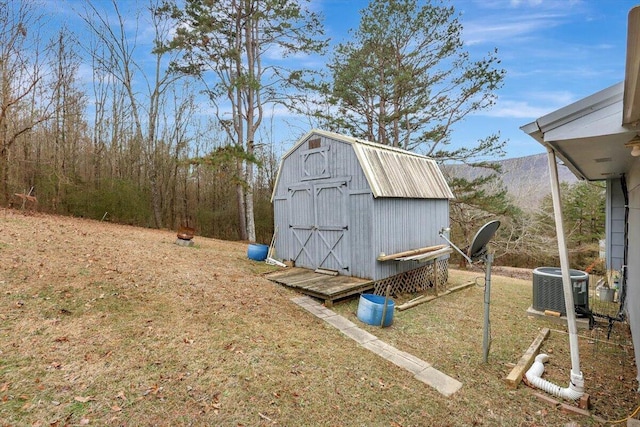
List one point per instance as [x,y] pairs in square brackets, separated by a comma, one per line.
[625,254]
[575,390]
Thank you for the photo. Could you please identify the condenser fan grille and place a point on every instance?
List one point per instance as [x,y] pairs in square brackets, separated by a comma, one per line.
[548,293]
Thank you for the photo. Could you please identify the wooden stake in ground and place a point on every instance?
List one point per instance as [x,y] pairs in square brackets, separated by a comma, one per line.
[426,298]
[515,376]
[435,274]
[384,309]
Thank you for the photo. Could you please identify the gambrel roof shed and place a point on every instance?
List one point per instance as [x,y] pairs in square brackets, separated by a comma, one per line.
[340,201]
[390,172]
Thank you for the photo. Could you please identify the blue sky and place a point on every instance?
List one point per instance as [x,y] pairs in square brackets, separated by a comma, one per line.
[554,52]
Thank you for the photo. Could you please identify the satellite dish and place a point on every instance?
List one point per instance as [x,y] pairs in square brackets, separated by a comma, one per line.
[478,247]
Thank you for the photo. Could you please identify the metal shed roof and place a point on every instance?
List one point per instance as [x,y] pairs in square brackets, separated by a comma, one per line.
[391,172]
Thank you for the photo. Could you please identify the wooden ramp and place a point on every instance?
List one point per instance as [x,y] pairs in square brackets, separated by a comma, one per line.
[318,285]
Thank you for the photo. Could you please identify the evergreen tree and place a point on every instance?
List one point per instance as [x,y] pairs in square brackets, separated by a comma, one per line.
[229,45]
[405,80]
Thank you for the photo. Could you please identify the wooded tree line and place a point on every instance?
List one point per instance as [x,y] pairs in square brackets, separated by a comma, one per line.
[108,121]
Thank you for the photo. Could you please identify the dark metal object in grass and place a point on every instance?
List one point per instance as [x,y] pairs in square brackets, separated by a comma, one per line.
[582,311]
[185,236]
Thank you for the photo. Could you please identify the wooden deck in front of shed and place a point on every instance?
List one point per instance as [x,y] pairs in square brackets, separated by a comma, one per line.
[318,285]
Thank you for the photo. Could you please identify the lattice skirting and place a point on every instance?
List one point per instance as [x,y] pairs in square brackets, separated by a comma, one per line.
[416,280]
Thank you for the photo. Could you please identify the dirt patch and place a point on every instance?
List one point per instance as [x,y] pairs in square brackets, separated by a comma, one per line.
[105,324]
[518,273]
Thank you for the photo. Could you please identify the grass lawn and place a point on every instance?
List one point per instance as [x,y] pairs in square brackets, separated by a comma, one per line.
[104,324]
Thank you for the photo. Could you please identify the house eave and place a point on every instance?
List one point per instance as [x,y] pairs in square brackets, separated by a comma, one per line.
[588,135]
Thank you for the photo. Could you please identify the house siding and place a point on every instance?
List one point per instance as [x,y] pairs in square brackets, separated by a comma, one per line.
[633,262]
[614,227]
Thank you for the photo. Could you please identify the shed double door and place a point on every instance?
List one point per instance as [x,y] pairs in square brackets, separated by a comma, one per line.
[319,226]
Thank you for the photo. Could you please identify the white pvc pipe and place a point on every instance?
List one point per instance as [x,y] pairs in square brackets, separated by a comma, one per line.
[573,392]
[577,380]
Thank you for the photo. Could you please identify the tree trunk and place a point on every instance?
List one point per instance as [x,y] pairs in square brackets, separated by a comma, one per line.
[4,171]
[251,222]
[242,219]
[156,201]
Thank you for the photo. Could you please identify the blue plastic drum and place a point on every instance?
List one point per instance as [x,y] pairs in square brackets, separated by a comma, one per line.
[370,308]
[257,252]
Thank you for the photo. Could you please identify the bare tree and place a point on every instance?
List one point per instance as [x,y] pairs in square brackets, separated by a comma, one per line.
[21,76]
[68,128]
[118,60]
[226,43]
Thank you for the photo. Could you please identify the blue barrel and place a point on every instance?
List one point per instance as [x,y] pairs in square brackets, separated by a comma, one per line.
[257,252]
[370,308]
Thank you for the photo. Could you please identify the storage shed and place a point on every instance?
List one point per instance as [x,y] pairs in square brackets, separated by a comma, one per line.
[342,202]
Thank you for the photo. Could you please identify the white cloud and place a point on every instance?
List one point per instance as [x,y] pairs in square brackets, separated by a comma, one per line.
[554,98]
[531,106]
[497,28]
[517,3]
[516,109]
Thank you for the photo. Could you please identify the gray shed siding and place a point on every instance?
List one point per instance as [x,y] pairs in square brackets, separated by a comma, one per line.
[614,227]
[281,223]
[327,217]
[361,227]
[404,224]
[335,186]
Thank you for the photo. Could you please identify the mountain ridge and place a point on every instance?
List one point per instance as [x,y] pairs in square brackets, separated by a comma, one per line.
[527,179]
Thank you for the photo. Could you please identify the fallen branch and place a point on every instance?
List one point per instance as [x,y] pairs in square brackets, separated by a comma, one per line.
[27,198]
[264,417]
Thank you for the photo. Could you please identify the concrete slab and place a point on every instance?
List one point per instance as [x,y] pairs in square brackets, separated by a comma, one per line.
[319,310]
[413,366]
[411,358]
[441,382]
[313,306]
[303,300]
[380,348]
[339,322]
[423,371]
[359,335]
[581,322]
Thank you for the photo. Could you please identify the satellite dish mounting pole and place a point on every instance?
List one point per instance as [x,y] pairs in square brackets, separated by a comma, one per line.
[478,251]
[486,342]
